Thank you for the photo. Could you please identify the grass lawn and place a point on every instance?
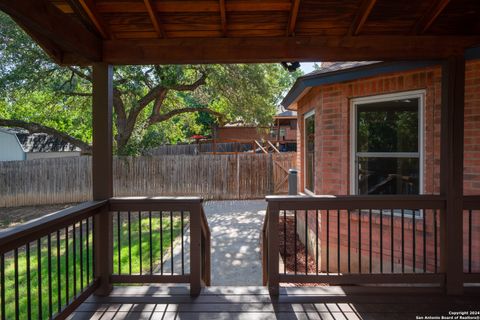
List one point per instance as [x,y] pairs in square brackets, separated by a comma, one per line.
[39,301]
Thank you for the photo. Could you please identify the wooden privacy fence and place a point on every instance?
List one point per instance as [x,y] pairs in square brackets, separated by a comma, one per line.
[65,180]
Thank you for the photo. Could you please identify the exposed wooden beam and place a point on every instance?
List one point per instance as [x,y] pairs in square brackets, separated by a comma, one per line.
[223,16]
[155,19]
[250,50]
[95,17]
[430,16]
[193,6]
[362,15]
[48,25]
[76,8]
[292,22]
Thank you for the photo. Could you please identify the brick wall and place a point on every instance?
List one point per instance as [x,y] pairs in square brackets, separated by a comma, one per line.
[332,154]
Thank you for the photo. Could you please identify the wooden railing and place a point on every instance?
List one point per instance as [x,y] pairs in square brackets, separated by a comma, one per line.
[144,233]
[49,266]
[353,240]
[471,239]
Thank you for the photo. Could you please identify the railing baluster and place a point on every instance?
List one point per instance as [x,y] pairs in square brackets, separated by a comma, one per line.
[392,243]
[381,240]
[414,245]
[348,240]
[403,241]
[67,288]
[181,227]
[171,241]
[338,241]
[284,241]
[29,281]
[161,242]
[328,241]
[17,295]
[359,241]
[88,250]
[306,241]
[74,244]
[119,242]
[316,240]
[370,239]
[49,270]
[129,243]
[140,240]
[295,241]
[93,249]
[469,241]
[39,275]
[424,241]
[82,284]
[435,247]
[2,286]
[151,240]
[59,274]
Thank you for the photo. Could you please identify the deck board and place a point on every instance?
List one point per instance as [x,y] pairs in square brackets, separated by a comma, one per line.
[161,302]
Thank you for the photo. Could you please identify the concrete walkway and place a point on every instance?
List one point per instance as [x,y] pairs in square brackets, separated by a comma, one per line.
[235,227]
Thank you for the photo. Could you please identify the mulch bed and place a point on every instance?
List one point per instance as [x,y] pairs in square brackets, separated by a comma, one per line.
[289,257]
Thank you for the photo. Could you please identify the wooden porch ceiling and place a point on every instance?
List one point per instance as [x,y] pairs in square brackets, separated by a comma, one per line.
[224,31]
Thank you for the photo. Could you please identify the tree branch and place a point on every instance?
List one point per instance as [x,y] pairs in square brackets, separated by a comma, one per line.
[164,117]
[33,127]
[80,74]
[190,87]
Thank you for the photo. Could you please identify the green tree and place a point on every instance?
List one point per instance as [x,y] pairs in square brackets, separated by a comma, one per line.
[152,104]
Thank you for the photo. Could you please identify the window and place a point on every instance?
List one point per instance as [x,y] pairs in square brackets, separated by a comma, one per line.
[309,138]
[387,144]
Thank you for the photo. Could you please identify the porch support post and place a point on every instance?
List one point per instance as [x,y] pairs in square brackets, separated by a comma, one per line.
[195,251]
[273,252]
[102,172]
[451,171]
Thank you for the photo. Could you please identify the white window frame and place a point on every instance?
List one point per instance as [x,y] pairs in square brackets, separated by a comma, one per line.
[417,94]
[305,116]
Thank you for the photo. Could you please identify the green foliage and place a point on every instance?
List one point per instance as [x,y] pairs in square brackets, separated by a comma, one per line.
[33,88]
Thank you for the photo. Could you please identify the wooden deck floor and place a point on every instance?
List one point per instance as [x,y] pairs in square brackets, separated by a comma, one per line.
[156,302]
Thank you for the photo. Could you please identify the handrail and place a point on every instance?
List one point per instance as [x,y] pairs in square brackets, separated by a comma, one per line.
[358,202]
[153,203]
[50,238]
[34,229]
[59,245]
[350,219]
[471,202]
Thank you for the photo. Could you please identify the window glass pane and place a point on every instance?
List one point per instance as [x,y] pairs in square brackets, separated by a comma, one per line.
[388,126]
[388,175]
[309,152]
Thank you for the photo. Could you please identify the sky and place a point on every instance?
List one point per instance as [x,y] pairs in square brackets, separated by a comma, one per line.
[306,67]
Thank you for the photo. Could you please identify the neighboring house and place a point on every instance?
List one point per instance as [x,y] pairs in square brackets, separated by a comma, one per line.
[374,128]
[240,132]
[18,144]
[282,133]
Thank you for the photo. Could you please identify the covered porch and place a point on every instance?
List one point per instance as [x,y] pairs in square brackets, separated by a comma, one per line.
[76,258]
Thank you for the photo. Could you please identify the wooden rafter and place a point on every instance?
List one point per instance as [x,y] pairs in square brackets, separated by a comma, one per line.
[292,22]
[362,16]
[95,17]
[53,29]
[155,19]
[223,16]
[430,16]
[193,6]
